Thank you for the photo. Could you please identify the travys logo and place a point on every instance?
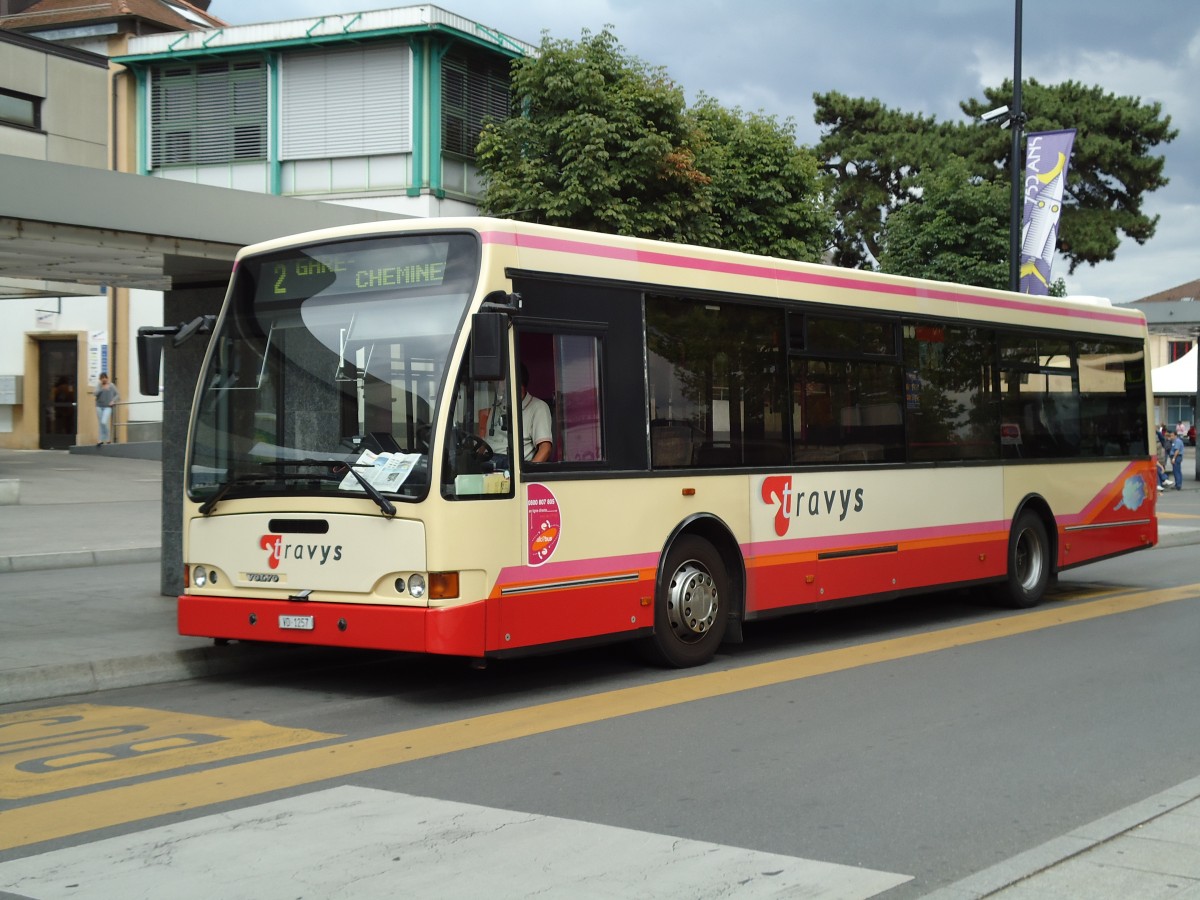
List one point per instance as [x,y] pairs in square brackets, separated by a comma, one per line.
[790,503]
[277,550]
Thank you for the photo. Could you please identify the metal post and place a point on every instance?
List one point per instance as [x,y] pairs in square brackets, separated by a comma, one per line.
[1017,121]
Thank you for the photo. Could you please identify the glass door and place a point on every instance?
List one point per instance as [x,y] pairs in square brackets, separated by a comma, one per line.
[58,394]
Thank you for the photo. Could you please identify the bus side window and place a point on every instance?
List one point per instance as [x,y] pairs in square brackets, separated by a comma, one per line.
[565,372]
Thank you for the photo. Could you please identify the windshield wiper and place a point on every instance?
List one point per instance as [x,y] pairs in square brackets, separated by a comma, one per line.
[336,467]
[226,486]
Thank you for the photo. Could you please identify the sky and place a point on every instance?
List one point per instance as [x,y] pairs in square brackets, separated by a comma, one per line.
[925,56]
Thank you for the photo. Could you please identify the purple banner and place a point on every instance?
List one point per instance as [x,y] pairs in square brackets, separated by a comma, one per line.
[1046,156]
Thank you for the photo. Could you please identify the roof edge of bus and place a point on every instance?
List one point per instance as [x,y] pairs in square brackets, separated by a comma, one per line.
[479,223]
[375,226]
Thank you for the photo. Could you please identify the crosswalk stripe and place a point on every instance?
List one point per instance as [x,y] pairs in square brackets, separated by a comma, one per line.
[364,843]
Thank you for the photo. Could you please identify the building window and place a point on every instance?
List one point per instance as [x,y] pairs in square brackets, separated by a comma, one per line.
[21,110]
[1178,350]
[475,88]
[208,113]
[340,103]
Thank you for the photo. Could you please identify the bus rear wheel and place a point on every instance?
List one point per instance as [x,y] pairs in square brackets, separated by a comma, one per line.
[691,604]
[1029,563]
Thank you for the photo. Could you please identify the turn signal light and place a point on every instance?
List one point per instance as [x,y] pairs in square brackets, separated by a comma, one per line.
[443,585]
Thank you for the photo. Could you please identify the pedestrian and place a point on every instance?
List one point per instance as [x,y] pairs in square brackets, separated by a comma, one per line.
[106,398]
[1177,460]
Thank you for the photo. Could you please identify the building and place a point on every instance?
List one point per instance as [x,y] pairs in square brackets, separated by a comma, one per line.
[53,107]
[379,110]
[56,337]
[1173,317]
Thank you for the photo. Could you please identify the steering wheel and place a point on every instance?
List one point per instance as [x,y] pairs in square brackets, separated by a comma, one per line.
[476,446]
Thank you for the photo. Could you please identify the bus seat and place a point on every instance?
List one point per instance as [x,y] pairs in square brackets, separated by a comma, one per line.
[671,445]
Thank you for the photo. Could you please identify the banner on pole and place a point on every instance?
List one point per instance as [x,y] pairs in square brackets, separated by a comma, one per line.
[1047,154]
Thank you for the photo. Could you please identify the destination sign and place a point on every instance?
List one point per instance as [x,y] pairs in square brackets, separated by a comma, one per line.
[391,266]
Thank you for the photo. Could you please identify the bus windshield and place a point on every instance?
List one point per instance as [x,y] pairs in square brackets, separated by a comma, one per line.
[330,356]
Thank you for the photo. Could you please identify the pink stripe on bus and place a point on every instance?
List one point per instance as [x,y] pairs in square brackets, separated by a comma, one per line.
[757,270]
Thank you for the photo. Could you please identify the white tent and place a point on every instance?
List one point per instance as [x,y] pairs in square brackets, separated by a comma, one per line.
[1178,377]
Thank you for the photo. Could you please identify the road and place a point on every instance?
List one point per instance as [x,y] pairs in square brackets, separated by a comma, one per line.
[888,750]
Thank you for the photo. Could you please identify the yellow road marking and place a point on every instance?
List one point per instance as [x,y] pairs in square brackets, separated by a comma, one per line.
[194,790]
[60,748]
[1165,515]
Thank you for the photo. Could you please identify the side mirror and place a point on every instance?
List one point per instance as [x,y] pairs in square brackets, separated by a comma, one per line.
[149,353]
[150,347]
[489,331]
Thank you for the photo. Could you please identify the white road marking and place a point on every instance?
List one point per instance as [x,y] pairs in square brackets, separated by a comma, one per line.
[362,843]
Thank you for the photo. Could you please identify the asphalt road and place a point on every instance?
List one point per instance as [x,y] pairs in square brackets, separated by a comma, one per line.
[887,750]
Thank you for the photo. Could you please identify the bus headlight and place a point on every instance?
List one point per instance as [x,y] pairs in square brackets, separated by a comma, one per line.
[199,577]
[416,586]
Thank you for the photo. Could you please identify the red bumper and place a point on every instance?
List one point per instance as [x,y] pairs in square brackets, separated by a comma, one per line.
[454,631]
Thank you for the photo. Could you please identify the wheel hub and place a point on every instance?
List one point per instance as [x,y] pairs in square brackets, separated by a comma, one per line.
[1029,560]
[692,602]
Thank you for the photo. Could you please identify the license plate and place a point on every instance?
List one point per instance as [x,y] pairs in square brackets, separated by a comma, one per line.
[296,623]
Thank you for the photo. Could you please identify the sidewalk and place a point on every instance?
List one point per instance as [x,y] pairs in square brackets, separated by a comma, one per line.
[90,509]
[75,512]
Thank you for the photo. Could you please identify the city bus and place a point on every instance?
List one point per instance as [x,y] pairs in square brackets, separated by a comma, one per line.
[731,438]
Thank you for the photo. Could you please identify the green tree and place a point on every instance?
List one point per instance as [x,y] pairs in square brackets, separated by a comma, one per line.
[1112,168]
[870,155]
[956,229]
[763,189]
[873,155]
[597,140]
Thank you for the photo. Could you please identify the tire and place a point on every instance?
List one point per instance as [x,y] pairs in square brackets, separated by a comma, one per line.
[1029,564]
[691,605]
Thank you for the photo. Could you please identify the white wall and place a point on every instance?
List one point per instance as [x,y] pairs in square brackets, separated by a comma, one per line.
[145,308]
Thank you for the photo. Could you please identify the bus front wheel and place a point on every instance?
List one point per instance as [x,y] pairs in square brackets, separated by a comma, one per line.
[1029,563]
[691,604]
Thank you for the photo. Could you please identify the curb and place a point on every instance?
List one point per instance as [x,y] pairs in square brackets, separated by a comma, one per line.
[78,559]
[1036,860]
[48,682]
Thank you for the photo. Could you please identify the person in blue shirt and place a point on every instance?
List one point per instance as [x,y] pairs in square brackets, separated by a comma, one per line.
[1177,461]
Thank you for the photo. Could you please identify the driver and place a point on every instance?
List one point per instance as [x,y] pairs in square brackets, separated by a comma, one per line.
[536,438]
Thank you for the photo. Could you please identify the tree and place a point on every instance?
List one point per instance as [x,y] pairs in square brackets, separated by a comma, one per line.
[597,140]
[1111,168]
[763,189]
[955,230]
[872,156]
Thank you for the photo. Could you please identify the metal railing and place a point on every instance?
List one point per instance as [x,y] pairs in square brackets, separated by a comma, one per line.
[134,430]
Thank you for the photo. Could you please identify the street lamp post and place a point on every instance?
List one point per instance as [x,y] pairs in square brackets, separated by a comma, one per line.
[1017,121]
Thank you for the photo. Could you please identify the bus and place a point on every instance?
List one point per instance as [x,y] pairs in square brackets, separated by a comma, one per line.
[731,438]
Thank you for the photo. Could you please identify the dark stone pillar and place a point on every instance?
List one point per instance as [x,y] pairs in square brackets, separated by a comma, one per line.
[181,368]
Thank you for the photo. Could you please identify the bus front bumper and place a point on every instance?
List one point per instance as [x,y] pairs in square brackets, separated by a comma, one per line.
[452,631]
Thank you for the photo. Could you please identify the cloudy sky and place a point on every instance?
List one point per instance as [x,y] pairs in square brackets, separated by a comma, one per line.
[915,55]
